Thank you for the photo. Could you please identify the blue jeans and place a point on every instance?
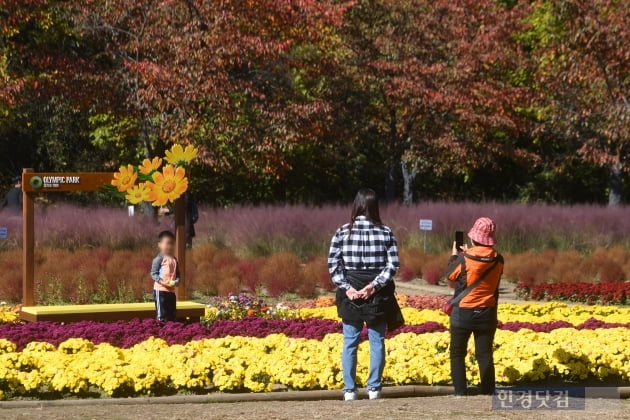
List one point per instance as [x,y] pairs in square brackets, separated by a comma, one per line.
[351,338]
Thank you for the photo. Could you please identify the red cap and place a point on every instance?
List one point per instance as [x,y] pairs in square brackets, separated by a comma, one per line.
[484,232]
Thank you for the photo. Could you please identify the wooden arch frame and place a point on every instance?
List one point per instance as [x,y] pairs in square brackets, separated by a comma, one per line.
[46,182]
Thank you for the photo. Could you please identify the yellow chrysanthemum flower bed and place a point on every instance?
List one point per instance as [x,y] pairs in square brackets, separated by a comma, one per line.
[508,312]
[78,366]
[255,364]
[8,314]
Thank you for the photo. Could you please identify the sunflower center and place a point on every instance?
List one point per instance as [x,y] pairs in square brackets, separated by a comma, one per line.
[125,180]
[168,186]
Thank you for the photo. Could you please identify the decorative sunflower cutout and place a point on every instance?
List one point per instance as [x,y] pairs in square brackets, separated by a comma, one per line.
[156,186]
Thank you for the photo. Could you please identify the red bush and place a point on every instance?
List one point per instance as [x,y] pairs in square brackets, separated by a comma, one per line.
[281,274]
[249,269]
[590,293]
[406,274]
[432,274]
[11,276]
[412,263]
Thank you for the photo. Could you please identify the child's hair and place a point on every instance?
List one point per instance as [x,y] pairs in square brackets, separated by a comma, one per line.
[166,234]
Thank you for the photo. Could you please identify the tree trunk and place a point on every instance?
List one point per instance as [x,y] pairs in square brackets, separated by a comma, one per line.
[390,182]
[409,175]
[614,194]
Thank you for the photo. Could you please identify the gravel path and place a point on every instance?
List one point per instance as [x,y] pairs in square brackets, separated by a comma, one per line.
[402,408]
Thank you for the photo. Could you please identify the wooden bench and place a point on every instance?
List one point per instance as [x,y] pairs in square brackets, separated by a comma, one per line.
[107,312]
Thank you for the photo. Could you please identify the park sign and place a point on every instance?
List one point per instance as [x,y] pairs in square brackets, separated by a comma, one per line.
[65,182]
[45,182]
[426,224]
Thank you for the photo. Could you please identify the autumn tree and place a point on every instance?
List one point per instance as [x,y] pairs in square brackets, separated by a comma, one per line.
[44,88]
[582,52]
[435,82]
[243,79]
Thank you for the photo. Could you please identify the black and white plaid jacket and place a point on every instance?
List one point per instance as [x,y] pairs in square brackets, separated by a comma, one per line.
[368,247]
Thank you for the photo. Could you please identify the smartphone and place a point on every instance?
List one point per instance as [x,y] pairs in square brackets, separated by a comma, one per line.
[459,240]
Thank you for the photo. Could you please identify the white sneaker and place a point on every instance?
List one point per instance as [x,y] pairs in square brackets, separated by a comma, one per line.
[350,396]
[375,394]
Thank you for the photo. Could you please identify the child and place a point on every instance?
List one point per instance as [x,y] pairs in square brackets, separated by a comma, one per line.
[165,275]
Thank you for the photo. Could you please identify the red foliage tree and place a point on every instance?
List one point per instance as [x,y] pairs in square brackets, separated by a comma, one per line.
[437,82]
[239,78]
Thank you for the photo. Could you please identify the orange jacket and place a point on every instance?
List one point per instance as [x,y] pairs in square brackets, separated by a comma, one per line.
[464,269]
[164,268]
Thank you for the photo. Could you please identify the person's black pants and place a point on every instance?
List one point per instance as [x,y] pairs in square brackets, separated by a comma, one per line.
[165,304]
[483,353]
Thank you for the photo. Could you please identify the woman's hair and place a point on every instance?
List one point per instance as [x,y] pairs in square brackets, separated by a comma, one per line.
[365,204]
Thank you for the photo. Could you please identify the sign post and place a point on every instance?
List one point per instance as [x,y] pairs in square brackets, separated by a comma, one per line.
[426,225]
[28,242]
[44,182]
[180,245]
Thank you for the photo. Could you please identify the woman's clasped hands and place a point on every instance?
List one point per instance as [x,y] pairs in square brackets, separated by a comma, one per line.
[364,293]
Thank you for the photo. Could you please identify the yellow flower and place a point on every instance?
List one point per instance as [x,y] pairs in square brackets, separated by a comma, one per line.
[125,178]
[149,166]
[138,193]
[167,185]
[178,155]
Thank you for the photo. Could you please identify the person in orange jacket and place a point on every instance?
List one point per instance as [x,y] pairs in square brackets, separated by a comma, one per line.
[475,274]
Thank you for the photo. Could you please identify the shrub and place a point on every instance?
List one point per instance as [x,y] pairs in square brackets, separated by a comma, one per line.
[602,265]
[228,281]
[249,269]
[204,253]
[11,276]
[611,272]
[201,271]
[281,274]
[565,268]
[316,273]
[224,257]
[529,267]
[307,289]
[406,274]
[433,274]
[412,262]
[203,280]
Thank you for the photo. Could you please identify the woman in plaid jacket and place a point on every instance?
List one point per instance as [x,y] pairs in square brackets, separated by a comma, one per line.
[363,260]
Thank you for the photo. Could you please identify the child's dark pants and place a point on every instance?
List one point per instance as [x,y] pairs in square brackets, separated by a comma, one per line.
[165,303]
